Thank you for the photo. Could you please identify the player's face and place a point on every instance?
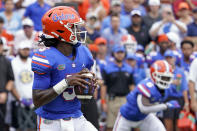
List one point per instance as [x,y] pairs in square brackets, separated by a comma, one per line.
[187,50]
[119,56]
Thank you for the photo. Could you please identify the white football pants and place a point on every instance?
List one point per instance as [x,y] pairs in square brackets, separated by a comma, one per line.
[74,124]
[150,123]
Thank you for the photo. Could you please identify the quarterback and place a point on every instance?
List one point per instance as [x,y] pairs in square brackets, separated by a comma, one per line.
[58,69]
[145,99]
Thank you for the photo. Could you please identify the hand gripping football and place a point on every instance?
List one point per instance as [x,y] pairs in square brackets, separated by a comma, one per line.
[85,93]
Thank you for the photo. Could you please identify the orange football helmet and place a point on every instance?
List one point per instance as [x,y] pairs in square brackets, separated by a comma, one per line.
[161,74]
[63,23]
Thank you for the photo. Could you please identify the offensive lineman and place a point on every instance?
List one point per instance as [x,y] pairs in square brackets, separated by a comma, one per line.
[145,99]
[57,69]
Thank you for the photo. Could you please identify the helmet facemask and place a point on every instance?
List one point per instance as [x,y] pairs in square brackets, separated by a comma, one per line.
[77,36]
[163,80]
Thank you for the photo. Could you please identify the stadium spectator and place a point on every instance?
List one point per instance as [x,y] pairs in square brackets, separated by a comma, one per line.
[96,8]
[6,84]
[119,81]
[3,32]
[139,31]
[137,5]
[177,91]
[126,7]
[114,33]
[163,43]
[116,8]
[168,24]
[193,85]
[153,15]
[184,13]
[187,50]
[83,6]
[26,34]
[192,28]
[92,26]
[12,21]
[35,12]
[24,113]
[137,71]
[192,4]
[101,57]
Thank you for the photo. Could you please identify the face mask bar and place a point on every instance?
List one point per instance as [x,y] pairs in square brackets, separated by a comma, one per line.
[163,84]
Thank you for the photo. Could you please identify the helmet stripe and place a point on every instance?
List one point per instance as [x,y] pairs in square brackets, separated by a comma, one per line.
[167,66]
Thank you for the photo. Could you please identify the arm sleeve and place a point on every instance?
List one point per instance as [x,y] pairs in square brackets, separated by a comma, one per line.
[148,107]
[41,82]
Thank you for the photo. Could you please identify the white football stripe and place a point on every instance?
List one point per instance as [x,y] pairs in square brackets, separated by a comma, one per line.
[40,59]
[144,90]
[167,66]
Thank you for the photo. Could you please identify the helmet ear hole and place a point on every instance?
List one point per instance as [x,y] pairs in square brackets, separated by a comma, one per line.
[50,14]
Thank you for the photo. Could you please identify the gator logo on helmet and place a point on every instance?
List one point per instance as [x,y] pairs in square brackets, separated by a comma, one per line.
[56,17]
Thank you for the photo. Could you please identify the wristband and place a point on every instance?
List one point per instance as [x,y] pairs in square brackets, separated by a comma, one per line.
[103,101]
[61,86]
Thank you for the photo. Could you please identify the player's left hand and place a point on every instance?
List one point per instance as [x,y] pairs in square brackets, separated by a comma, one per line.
[173,104]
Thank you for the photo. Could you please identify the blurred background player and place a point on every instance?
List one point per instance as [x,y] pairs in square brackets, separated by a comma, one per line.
[58,69]
[141,102]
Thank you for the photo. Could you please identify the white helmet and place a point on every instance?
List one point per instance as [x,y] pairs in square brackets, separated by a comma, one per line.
[130,43]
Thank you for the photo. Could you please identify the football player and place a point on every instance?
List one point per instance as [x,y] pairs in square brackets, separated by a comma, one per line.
[57,69]
[146,99]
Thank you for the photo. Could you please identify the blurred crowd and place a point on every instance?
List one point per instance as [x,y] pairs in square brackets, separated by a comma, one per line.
[125,38]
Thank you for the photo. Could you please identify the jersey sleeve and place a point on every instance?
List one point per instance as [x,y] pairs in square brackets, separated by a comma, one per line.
[41,63]
[144,90]
[41,66]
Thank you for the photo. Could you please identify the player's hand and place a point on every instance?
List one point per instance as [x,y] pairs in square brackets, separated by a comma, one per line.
[172,104]
[78,79]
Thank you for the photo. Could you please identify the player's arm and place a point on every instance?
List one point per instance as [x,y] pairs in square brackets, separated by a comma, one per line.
[146,107]
[46,93]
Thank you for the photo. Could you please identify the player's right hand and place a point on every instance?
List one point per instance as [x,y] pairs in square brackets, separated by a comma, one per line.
[78,79]
[172,104]
[193,106]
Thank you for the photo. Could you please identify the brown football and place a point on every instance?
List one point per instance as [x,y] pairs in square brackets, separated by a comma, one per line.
[85,93]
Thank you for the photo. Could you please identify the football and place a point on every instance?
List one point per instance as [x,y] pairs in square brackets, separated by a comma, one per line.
[85,93]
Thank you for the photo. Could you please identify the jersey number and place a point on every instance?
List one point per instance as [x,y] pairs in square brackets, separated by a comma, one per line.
[69,94]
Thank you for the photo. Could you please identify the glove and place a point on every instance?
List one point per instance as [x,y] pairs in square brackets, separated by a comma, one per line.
[26,102]
[172,104]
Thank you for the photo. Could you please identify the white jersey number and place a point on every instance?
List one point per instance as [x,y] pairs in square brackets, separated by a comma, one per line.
[69,94]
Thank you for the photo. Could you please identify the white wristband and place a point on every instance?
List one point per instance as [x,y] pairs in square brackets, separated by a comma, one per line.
[61,86]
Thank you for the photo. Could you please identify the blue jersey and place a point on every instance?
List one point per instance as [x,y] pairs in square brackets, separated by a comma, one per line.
[138,74]
[147,88]
[174,90]
[50,67]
